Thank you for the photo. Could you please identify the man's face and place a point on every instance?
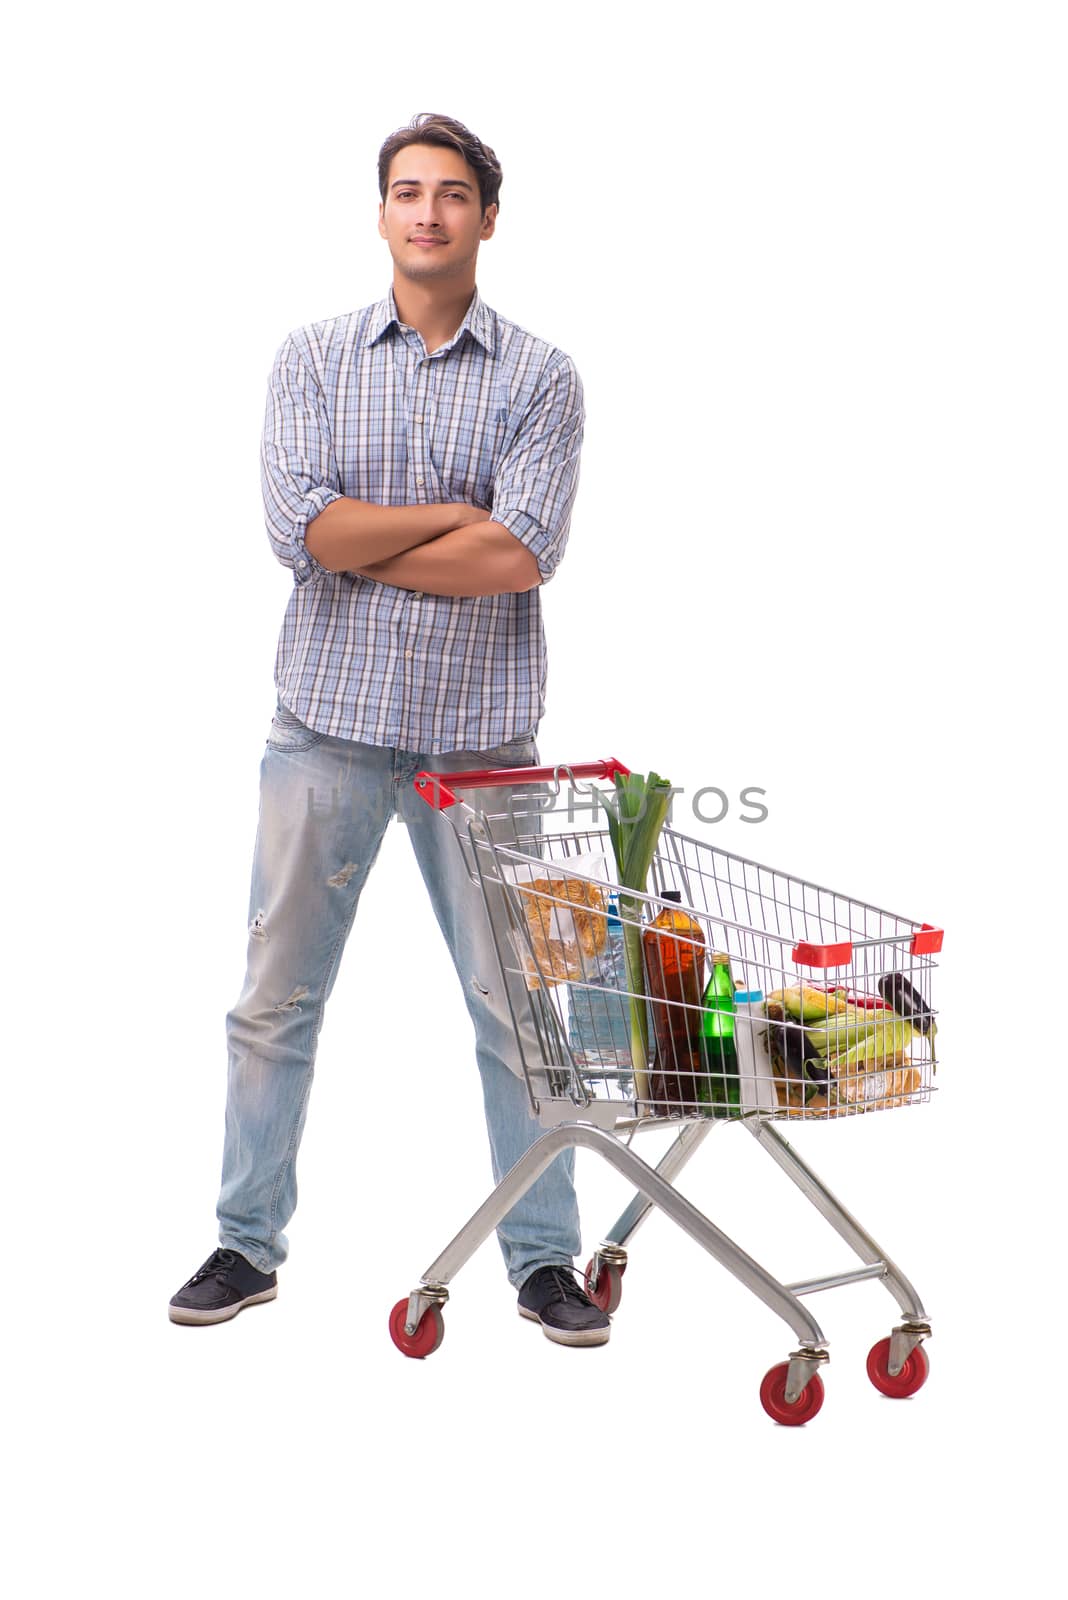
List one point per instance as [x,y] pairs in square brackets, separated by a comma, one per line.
[432,193]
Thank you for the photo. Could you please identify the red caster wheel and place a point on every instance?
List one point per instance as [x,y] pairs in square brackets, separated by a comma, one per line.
[912,1376]
[609,1289]
[427,1336]
[773,1397]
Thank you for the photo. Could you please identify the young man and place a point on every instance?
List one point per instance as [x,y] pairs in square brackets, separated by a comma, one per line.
[420,461]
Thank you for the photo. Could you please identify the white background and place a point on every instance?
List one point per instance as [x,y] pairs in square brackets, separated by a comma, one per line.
[809,260]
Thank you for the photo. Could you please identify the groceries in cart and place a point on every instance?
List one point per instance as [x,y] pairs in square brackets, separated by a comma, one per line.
[834,1049]
[719,1048]
[664,983]
[695,1064]
[598,1025]
[565,919]
[673,952]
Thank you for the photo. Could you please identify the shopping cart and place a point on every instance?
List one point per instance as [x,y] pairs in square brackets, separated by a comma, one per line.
[545,893]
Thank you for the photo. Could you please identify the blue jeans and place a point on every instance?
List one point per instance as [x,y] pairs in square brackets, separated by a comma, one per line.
[325,804]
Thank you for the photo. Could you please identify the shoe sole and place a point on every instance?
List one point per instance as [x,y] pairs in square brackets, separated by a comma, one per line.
[575,1337]
[193,1318]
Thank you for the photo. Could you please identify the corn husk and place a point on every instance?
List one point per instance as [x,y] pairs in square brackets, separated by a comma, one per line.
[874,1044]
[854,1027]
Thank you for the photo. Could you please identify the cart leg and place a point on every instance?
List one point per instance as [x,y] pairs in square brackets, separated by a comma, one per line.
[657,1191]
[612,1249]
[916,1325]
[672,1163]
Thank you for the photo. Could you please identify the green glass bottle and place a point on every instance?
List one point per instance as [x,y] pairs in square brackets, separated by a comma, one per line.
[719,1090]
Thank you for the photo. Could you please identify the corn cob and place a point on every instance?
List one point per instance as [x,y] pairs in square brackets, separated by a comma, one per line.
[807,1005]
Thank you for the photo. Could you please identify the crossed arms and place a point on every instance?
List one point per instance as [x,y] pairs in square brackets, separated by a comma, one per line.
[450,548]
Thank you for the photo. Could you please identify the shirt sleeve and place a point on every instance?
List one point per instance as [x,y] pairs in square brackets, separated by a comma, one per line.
[297,465]
[536,479]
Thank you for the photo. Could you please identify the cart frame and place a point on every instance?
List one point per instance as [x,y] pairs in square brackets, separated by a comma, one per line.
[792,1392]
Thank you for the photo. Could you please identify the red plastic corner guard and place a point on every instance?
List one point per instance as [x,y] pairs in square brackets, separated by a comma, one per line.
[430,786]
[823,955]
[927,942]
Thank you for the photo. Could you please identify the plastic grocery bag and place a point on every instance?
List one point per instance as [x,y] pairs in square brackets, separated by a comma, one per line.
[565,914]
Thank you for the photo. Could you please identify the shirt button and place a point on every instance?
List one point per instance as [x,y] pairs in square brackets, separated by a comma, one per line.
[420,482]
[302,563]
[407,655]
[417,594]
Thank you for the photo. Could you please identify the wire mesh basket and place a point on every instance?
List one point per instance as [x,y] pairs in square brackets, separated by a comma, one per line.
[824,1006]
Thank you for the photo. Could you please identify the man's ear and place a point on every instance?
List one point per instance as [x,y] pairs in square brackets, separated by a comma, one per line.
[381,219]
[489,222]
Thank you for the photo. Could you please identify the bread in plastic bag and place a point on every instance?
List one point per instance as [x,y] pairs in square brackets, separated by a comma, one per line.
[565,911]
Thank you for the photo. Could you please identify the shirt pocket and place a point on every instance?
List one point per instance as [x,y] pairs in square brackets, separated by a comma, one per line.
[479,448]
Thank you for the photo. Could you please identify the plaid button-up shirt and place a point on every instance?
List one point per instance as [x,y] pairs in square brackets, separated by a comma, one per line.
[357,408]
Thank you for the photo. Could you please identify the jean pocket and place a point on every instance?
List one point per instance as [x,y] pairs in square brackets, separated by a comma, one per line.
[289,735]
[522,751]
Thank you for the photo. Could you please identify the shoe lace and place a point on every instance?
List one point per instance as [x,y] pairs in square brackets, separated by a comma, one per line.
[219,1262]
[564,1280]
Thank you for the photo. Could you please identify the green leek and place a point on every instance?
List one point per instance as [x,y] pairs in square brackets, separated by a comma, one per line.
[634,822]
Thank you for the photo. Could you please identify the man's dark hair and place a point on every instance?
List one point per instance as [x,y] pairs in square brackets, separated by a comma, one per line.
[428,127]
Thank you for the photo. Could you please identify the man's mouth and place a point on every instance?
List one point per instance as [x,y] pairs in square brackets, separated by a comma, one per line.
[421,238]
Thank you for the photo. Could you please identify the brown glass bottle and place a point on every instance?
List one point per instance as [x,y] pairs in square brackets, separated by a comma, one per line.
[673,949]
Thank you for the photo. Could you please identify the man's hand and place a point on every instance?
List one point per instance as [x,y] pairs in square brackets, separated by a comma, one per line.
[466,514]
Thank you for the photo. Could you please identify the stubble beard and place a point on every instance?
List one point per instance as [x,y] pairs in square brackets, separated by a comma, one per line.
[428,270]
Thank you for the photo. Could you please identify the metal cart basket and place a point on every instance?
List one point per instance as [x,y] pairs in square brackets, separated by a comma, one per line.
[830,1016]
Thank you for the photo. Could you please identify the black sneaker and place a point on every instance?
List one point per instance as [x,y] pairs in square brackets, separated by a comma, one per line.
[222,1287]
[566,1313]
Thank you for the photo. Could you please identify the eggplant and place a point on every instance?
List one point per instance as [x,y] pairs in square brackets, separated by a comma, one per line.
[899,993]
[800,1055]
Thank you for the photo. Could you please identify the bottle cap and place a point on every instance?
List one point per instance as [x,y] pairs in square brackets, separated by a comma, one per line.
[748,997]
[672,894]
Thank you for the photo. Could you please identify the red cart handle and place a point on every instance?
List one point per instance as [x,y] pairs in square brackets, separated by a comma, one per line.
[440,795]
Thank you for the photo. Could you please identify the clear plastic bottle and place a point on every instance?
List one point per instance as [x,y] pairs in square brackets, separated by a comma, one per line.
[598,1026]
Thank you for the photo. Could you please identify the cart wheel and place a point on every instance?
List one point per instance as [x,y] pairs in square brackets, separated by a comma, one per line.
[609,1289]
[912,1376]
[427,1336]
[773,1397]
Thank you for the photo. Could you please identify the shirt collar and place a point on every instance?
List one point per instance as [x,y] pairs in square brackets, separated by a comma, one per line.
[478,320]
